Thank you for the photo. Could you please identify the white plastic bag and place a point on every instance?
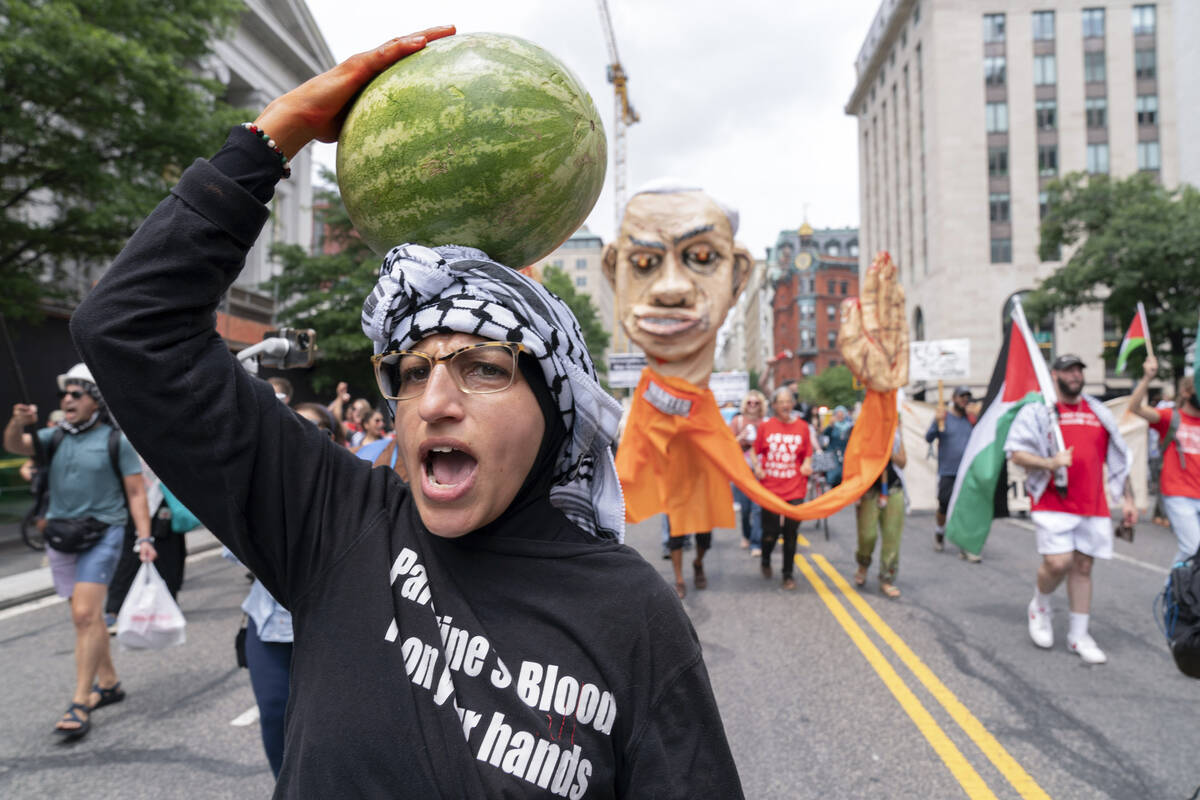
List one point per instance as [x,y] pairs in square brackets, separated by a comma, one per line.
[150,618]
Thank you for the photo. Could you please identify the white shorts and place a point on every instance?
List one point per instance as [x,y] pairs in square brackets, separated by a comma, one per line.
[1059,532]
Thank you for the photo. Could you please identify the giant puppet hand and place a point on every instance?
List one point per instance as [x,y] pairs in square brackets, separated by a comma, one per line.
[873,336]
[316,108]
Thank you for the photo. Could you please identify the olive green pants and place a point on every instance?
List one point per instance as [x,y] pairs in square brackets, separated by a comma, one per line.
[871,520]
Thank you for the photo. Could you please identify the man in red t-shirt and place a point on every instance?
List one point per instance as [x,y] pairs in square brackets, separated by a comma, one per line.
[1073,526]
[784,449]
[1180,481]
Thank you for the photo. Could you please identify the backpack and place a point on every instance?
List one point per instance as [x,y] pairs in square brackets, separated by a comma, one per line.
[1179,614]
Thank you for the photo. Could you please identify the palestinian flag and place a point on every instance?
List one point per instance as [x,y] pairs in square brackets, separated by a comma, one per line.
[981,488]
[1137,336]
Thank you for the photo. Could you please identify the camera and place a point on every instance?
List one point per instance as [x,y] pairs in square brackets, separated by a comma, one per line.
[301,350]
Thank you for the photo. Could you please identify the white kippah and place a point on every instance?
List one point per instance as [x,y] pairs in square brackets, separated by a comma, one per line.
[669,185]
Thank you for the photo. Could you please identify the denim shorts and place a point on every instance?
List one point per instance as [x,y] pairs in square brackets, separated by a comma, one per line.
[94,565]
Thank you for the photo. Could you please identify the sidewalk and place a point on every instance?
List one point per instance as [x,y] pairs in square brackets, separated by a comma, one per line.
[26,576]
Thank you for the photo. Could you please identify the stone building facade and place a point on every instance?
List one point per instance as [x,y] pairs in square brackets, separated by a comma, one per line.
[965,112]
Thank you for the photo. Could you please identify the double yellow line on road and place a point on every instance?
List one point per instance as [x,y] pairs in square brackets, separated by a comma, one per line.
[951,756]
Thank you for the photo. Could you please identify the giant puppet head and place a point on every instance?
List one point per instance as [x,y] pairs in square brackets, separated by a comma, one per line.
[676,271]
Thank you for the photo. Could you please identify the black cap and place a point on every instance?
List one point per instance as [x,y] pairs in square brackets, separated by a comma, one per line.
[1066,361]
[962,390]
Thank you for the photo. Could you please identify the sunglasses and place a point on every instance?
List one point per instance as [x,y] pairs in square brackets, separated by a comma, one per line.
[73,393]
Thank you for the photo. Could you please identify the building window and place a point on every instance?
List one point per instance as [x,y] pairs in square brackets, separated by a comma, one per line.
[997,162]
[1047,160]
[1093,23]
[997,117]
[1096,109]
[1143,20]
[1097,158]
[1043,204]
[1147,109]
[919,324]
[993,27]
[1046,112]
[833,248]
[830,285]
[581,263]
[581,280]
[853,248]
[993,71]
[1043,26]
[557,263]
[831,338]
[1148,155]
[998,207]
[1145,64]
[831,311]
[845,287]
[1001,251]
[1044,70]
[1093,67]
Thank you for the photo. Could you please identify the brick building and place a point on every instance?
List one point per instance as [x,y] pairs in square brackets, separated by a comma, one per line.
[810,273]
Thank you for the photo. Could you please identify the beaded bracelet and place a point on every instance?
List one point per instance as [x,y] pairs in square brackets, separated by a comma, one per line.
[269,142]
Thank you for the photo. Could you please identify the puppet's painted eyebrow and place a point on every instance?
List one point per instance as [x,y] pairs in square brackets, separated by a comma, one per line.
[693,232]
[651,245]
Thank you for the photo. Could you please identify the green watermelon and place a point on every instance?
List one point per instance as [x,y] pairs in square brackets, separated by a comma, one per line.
[483,140]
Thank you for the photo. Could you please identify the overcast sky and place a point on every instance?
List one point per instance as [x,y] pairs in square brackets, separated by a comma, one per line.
[744,97]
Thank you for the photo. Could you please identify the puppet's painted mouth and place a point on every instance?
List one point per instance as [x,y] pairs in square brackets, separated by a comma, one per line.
[667,326]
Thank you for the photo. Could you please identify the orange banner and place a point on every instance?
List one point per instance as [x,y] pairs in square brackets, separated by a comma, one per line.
[678,456]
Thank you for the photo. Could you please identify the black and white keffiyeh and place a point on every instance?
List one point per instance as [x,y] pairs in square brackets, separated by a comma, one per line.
[423,291]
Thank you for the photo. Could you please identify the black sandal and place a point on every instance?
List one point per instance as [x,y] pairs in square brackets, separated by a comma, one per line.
[72,715]
[113,694]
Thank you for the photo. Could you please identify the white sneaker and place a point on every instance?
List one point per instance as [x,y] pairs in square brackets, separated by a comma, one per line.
[1040,628]
[1086,647]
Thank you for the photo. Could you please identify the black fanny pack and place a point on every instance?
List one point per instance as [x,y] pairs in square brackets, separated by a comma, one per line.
[74,535]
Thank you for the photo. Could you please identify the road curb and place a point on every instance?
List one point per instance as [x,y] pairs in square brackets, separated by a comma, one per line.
[29,597]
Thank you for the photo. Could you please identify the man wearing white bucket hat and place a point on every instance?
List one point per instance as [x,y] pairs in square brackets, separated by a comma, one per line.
[95,488]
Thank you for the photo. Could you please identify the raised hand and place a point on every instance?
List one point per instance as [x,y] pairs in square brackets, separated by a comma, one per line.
[316,108]
[24,414]
[873,336]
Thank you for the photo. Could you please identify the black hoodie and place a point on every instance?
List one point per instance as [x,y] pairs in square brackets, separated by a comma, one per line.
[525,659]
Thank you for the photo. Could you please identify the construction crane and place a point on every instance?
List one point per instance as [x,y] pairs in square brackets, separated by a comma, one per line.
[623,113]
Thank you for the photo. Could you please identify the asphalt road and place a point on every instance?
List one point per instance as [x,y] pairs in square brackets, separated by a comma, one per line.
[826,692]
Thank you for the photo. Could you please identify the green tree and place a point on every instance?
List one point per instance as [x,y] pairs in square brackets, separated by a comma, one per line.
[100,109]
[833,386]
[557,281]
[325,292]
[1132,240]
